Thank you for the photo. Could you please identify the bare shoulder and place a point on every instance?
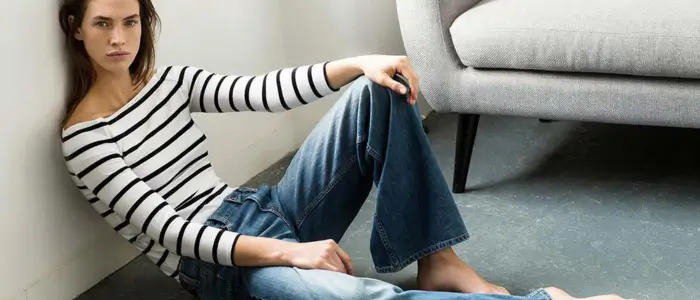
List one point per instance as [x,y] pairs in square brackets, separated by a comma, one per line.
[85,111]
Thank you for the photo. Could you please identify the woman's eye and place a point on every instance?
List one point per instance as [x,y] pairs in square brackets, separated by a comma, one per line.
[131,23]
[101,24]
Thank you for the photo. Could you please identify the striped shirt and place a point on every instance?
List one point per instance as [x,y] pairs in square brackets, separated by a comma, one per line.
[145,168]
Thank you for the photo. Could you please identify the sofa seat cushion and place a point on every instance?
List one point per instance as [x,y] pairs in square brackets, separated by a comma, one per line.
[633,37]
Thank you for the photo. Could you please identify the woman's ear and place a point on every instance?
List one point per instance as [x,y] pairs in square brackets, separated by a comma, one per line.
[78,32]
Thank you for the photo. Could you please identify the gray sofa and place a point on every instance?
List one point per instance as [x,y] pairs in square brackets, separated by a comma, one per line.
[612,61]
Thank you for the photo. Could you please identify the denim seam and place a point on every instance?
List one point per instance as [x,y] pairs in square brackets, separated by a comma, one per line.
[361,138]
[380,227]
[423,253]
[385,241]
[322,195]
[541,292]
[273,210]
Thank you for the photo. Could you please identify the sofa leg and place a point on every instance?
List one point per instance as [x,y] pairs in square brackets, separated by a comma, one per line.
[466,135]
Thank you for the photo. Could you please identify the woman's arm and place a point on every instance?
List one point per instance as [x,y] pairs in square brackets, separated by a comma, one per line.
[98,169]
[277,91]
[288,88]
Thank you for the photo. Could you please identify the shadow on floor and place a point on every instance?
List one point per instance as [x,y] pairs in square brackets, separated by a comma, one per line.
[602,152]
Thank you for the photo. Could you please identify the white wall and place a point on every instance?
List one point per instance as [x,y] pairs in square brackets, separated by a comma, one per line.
[231,37]
[49,236]
[328,29]
[54,245]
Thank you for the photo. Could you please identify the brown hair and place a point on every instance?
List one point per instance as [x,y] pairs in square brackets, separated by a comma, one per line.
[81,72]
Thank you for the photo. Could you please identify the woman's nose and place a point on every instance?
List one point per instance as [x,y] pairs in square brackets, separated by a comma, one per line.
[117,37]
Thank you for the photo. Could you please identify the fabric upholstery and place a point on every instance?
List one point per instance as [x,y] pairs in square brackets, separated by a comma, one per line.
[574,96]
[449,86]
[635,37]
[424,28]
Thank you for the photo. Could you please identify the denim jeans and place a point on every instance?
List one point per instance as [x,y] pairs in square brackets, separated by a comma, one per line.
[370,138]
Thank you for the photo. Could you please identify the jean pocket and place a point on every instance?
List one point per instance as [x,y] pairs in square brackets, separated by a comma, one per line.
[189,275]
[188,282]
[240,194]
[221,217]
[216,281]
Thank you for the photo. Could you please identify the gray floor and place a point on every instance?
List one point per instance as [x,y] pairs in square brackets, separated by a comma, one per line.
[591,208]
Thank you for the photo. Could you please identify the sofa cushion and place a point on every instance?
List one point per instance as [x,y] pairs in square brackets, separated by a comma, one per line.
[634,37]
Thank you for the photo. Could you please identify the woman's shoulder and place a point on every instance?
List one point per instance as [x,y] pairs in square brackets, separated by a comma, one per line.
[82,115]
[85,125]
[89,114]
[87,111]
[86,132]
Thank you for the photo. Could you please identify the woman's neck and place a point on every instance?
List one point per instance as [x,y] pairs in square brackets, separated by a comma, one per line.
[114,90]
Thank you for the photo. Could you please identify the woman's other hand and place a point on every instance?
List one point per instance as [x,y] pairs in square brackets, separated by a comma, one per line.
[325,255]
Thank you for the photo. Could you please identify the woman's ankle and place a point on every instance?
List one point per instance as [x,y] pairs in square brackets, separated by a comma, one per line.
[446,255]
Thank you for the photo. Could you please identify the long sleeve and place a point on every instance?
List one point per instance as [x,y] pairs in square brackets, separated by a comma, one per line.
[277,91]
[95,162]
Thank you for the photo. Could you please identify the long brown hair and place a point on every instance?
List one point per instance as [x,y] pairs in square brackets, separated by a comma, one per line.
[81,71]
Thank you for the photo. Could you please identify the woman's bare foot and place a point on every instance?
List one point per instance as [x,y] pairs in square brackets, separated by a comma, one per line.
[558,294]
[444,271]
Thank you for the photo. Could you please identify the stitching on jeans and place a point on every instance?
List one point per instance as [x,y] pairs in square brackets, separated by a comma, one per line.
[270,209]
[425,252]
[544,294]
[380,227]
[361,138]
[375,154]
[385,241]
[322,195]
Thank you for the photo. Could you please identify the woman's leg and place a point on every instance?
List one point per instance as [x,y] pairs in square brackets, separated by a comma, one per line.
[283,283]
[257,213]
[372,136]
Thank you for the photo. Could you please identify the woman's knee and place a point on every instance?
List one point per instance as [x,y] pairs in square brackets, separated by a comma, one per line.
[294,283]
[377,90]
[365,93]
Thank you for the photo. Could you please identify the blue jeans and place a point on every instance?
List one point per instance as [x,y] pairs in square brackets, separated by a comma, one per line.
[370,137]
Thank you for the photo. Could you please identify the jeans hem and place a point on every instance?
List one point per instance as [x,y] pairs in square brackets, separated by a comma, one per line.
[423,253]
[540,294]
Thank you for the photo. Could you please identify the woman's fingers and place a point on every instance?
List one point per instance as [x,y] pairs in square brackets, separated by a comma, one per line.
[407,71]
[338,263]
[387,81]
[413,83]
[347,262]
[330,267]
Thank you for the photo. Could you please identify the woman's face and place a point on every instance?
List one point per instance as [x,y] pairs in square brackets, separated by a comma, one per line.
[111,33]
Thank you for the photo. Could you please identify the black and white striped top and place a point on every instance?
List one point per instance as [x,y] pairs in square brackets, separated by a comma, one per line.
[145,168]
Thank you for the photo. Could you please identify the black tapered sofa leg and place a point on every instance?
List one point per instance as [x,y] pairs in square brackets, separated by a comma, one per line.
[466,135]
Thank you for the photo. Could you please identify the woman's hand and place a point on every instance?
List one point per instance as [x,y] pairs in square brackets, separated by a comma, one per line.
[260,251]
[378,68]
[382,68]
[325,255]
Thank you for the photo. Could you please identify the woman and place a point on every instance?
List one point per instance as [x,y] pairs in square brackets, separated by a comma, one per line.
[133,150]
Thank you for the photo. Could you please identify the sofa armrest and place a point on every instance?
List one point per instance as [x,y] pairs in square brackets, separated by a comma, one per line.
[425,29]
